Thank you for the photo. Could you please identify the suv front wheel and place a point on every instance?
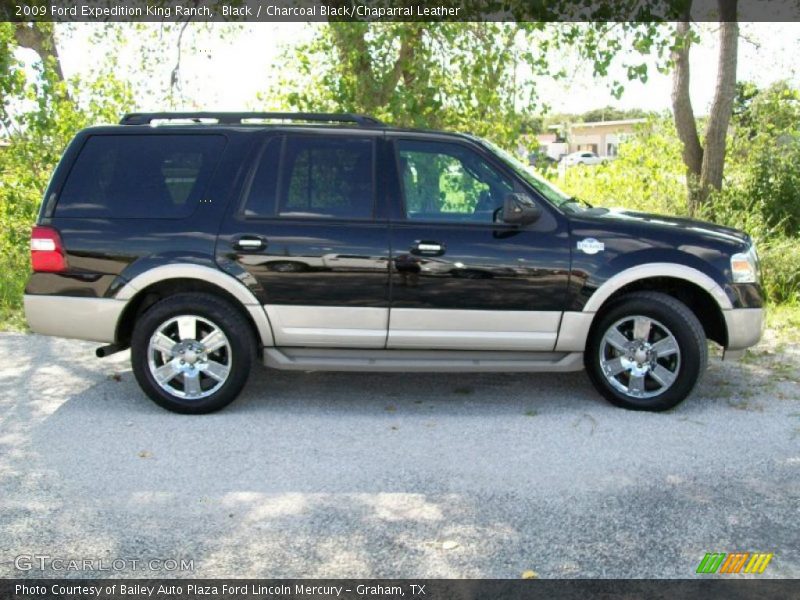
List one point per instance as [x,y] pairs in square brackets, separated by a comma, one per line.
[192,353]
[646,352]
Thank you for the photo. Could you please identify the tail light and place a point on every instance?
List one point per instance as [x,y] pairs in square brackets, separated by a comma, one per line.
[47,251]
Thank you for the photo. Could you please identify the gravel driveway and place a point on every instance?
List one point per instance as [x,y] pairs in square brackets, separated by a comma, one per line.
[393,475]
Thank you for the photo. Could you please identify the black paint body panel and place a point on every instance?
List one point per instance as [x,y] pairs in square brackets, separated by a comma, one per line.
[370,263]
[633,239]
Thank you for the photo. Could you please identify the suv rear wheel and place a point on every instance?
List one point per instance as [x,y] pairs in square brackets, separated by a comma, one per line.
[192,353]
[647,352]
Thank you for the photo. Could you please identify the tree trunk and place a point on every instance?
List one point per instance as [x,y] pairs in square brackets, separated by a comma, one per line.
[721,108]
[375,89]
[705,163]
[40,38]
[685,122]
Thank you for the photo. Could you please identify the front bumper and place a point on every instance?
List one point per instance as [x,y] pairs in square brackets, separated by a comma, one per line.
[92,319]
[745,326]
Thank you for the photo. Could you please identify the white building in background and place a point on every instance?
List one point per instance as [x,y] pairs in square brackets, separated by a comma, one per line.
[601,137]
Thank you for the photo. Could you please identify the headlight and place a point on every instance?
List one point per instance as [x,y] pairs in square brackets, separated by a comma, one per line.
[744,266]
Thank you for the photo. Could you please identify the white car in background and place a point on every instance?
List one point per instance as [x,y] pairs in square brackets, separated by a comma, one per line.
[583,158]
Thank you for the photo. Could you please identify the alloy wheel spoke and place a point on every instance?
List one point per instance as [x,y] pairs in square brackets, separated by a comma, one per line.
[617,340]
[636,384]
[162,343]
[663,376]
[214,341]
[165,373]
[614,366]
[187,328]
[666,347]
[191,383]
[641,328]
[216,370]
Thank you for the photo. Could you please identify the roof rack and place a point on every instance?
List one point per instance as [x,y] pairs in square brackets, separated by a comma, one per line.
[237,118]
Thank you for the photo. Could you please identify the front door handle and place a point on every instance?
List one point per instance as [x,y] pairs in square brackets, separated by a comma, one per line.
[428,248]
[249,242]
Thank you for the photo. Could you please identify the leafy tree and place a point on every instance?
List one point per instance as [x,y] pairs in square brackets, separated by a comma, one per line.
[464,75]
[762,177]
[645,176]
[603,43]
[610,113]
[705,162]
[764,158]
[40,114]
[40,37]
[442,75]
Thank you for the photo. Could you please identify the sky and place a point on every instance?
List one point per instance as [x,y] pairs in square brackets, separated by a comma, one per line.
[228,73]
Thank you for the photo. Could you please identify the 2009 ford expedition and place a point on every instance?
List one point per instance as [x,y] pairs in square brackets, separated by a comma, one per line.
[208,241]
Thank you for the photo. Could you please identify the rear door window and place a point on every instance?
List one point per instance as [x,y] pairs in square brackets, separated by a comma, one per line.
[140,176]
[327,177]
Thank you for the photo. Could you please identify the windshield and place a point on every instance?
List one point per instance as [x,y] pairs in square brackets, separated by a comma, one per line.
[541,185]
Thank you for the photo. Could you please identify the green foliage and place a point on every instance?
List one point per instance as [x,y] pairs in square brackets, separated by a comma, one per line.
[12,77]
[780,265]
[609,113]
[760,194]
[460,76]
[647,175]
[784,321]
[603,43]
[41,117]
[763,176]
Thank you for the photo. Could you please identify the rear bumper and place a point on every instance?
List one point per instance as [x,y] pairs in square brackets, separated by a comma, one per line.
[92,319]
[745,326]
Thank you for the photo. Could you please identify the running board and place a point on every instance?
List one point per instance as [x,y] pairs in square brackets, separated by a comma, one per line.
[439,361]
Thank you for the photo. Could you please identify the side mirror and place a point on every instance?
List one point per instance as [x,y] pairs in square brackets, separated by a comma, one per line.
[518,209]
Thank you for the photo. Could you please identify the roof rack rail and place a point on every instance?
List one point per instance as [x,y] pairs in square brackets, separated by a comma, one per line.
[237,118]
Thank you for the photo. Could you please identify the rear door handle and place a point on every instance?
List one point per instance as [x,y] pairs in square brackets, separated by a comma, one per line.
[428,248]
[249,242]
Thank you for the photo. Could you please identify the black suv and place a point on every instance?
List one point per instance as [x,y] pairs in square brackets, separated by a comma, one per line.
[208,241]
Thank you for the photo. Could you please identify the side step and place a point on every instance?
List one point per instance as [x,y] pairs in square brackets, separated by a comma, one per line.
[439,361]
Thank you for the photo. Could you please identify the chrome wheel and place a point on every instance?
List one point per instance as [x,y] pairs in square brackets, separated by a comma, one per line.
[640,357]
[189,357]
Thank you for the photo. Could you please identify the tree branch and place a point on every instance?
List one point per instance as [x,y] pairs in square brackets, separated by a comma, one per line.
[173,78]
[400,68]
[348,37]
[685,123]
[722,106]
[43,42]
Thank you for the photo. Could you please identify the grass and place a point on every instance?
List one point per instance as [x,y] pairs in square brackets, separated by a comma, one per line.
[14,268]
[783,321]
[12,319]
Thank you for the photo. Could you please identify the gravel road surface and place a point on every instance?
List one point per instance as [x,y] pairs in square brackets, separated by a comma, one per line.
[393,475]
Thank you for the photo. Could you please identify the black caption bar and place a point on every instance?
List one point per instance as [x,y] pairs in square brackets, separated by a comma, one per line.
[389,10]
[393,589]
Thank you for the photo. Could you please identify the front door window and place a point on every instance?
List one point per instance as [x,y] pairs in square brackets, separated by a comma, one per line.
[449,182]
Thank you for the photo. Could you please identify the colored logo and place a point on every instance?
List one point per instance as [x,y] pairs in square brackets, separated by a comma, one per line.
[736,562]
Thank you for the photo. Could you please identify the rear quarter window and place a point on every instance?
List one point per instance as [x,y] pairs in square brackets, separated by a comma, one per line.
[140,176]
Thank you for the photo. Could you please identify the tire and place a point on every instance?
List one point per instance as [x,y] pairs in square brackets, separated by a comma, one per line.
[654,371]
[199,373]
